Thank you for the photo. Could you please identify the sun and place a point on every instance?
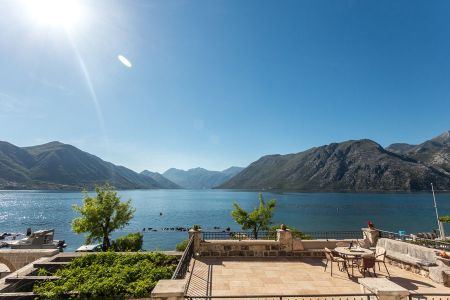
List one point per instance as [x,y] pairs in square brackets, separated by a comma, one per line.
[66,13]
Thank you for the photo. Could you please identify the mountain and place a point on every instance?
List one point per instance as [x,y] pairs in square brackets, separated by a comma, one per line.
[232,171]
[161,180]
[199,178]
[61,166]
[360,165]
[434,153]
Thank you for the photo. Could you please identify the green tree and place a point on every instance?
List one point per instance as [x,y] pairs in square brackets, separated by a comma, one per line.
[101,215]
[258,219]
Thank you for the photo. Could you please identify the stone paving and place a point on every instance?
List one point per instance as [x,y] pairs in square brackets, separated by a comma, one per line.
[288,276]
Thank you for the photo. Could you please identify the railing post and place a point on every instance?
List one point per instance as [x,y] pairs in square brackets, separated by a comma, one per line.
[169,290]
[197,236]
[284,237]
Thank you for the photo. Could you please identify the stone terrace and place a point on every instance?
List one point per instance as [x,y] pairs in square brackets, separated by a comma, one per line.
[287,276]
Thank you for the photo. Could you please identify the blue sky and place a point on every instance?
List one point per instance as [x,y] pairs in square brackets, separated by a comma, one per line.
[220,83]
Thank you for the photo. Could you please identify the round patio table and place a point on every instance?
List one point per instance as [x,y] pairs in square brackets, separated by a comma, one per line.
[354,254]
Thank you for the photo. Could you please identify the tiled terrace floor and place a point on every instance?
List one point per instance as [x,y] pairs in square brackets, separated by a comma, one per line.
[286,276]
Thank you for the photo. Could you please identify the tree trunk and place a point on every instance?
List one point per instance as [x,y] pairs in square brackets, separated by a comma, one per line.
[106,242]
[255,233]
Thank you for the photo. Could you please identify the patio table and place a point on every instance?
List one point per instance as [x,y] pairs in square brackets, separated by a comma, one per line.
[352,253]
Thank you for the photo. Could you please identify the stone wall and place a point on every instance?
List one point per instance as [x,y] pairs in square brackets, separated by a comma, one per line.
[15,259]
[283,245]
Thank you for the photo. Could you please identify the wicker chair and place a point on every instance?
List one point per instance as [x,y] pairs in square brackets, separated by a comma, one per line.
[331,259]
[380,258]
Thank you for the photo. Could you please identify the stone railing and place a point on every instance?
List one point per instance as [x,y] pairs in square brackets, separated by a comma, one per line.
[283,245]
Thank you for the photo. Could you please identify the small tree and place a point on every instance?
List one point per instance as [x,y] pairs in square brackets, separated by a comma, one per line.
[101,215]
[258,219]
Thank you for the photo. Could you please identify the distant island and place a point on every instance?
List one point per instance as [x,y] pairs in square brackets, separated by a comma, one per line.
[356,165]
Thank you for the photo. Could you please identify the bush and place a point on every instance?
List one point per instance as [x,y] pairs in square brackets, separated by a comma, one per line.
[295,232]
[129,242]
[181,246]
[108,275]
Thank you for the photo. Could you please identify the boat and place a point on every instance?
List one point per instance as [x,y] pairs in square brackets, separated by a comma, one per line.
[41,239]
[90,248]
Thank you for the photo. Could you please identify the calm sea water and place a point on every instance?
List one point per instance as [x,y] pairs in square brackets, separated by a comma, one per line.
[305,211]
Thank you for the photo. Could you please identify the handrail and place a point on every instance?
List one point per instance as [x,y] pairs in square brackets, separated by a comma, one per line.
[272,235]
[440,296]
[183,264]
[238,235]
[281,297]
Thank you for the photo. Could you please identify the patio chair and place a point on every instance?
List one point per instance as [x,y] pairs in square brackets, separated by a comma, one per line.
[331,259]
[380,258]
[364,244]
[365,263]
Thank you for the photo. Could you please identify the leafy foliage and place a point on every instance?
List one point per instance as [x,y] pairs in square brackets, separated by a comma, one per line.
[129,242]
[258,219]
[101,215]
[295,232]
[181,246]
[445,219]
[109,275]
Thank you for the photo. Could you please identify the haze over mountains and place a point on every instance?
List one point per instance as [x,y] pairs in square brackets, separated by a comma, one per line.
[199,178]
[356,165]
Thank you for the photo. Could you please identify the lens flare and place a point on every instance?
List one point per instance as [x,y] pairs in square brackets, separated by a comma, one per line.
[124,61]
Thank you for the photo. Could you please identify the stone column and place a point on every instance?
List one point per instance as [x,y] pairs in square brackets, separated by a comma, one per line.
[371,236]
[197,235]
[284,237]
[168,289]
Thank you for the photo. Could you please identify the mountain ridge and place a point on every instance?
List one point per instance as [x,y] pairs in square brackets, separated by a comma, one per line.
[56,165]
[354,165]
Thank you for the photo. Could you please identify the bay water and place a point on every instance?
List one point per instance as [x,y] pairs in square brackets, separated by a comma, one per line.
[159,209]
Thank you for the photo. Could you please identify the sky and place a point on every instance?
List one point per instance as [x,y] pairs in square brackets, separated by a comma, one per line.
[220,83]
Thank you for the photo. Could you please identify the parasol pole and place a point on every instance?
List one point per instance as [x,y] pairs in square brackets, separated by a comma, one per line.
[441,228]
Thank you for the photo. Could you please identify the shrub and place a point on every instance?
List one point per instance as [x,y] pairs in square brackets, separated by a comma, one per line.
[129,242]
[181,246]
[108,275]
[196,227]
[295,232]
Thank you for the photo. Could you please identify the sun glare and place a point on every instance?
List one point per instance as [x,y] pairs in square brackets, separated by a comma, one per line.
[55,12]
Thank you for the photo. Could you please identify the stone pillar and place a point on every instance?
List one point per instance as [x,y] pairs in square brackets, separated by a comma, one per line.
[168,289]
[284,237]
[383,288]
[371,236]
[197,235]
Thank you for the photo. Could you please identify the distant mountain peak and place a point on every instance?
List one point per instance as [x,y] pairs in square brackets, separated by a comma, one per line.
[443,138]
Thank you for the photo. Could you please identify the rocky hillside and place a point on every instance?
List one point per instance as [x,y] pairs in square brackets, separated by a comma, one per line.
[360,165]
[433,153]
[60,166]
